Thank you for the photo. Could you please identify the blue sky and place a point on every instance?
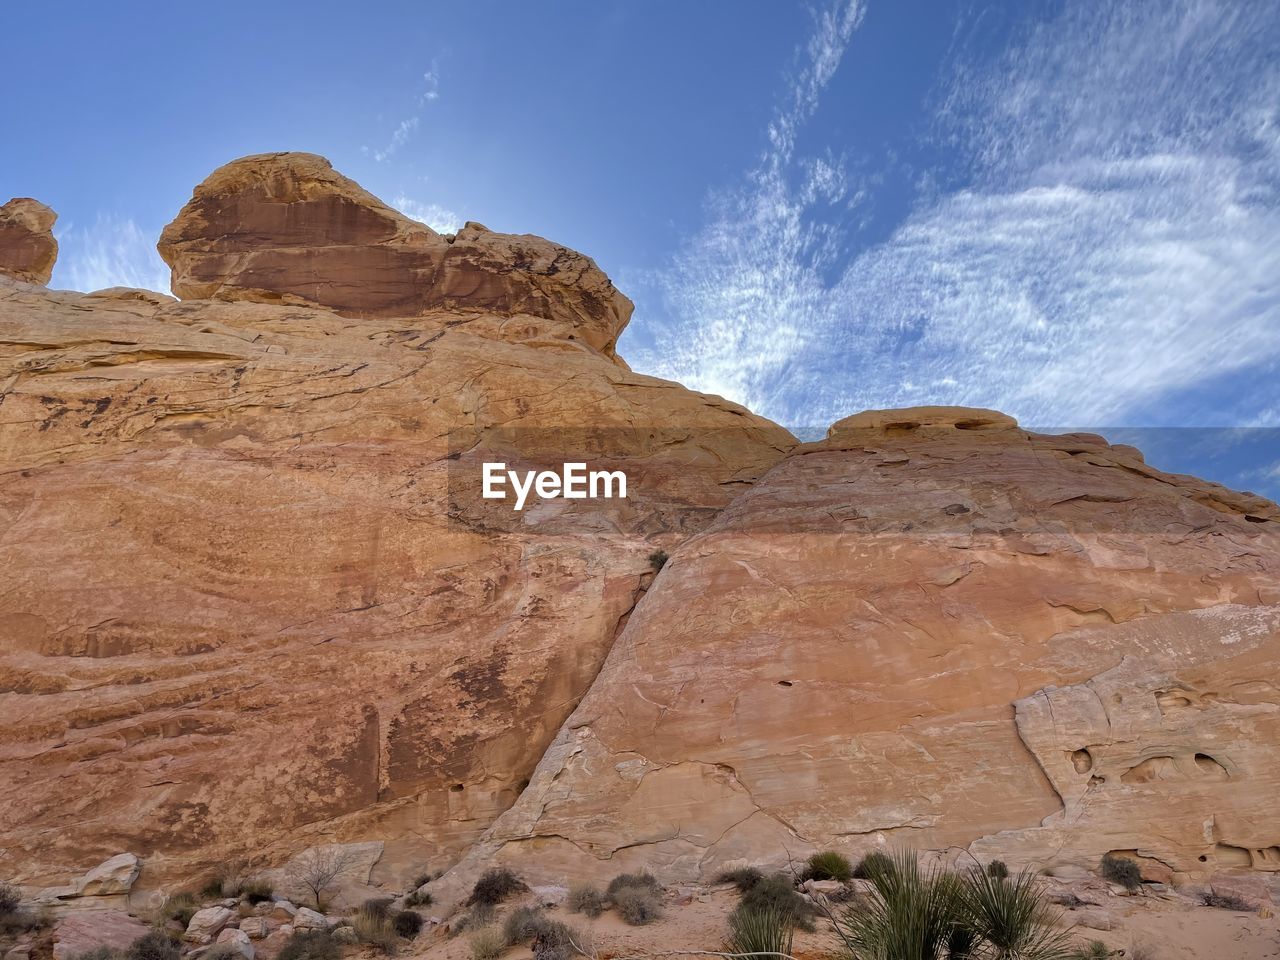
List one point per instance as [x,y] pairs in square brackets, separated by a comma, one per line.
[1068,211]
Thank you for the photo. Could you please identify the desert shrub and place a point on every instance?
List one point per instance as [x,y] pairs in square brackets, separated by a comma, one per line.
[1226,901]
[744,878]
[553,941]
[998,869]
[257,891]
[585,898]
[480,915]
[376,907]
[310,945]
[1011,914]
[765,930]
[156,945]
[658,560]
[917,914]
[778,893]
[422,879]
[180,906]
[873,863]
[639,881]
[487,944]
[1093,950]
[496,885]
[101,953]
[1121,870]
[406,923]
[419,898]
[523,923]
[10,898]
[638,905]
[21,921]
[372,924]
[829,865]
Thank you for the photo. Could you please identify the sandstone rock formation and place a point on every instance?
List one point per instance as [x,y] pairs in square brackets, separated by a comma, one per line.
[934,629]
[287,228]
[27,247]
[253,600]
[256,605]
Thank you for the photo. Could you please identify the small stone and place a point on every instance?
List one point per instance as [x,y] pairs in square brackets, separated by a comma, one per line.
[1092,918]
[206,924]
[238,939]
[255,928]
[308,919]
[345,935]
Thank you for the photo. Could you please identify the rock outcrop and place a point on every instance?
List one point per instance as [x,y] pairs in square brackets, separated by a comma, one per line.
[256,605]
[937,630]
[28,250]
[287,228]
[253,599]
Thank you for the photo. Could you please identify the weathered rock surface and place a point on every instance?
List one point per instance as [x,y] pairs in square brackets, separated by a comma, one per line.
[28,250]
[933,629]
[286,227]
[207,923]
[256,605]
[253,599]
[82,931]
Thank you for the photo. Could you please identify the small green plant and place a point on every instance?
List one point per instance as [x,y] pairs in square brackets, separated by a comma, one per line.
[496,885]
[423,879]
[406,923]
[761,931]
[587,899]
[998,869]
[658,559]
[419,898]
[1226,901]
[1121,870]
[487,944]
[311,945]
[744,878]
[638,905]
[829,865]
[1093,950]
[156,945]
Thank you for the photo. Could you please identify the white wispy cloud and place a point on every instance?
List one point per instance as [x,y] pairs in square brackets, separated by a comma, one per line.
[1114,253]
[111,252]
[433,215]
[406,128]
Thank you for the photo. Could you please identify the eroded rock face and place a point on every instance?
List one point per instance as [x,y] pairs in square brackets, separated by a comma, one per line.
[286,227]
[28,250]
[933,629]
[253,601]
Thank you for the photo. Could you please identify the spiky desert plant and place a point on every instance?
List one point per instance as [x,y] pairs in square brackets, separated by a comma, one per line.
[761,931]
[487,944]
[1011,916]
[910,914]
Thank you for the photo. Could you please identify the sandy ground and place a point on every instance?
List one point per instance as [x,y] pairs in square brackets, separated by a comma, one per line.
[1169,930]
